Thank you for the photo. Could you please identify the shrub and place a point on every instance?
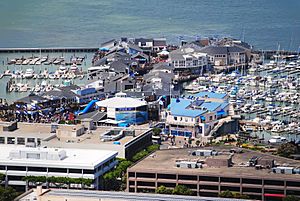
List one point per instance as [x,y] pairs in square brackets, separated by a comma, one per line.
[163,190]
[182,190]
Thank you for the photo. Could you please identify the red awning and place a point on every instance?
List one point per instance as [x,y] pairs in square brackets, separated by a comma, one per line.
[274,195]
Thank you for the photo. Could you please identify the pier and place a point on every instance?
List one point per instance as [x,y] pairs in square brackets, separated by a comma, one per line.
[48,49]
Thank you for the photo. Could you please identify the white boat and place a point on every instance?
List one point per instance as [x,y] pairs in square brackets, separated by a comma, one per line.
[44,59]
[28,73]
[277,139]
[74,68]
[52,76]
[62,69]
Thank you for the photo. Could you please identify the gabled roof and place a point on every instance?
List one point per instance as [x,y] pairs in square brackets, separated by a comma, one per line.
[160,42]
[213,50]
[180,107]
[118,66]
[142,40]
[140,54]
[31,98]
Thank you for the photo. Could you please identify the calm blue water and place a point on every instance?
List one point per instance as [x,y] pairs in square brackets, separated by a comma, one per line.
[36,23]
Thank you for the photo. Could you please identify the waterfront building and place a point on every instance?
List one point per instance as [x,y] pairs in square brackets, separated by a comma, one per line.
[17,162]
[195,116]
[211,170]
[125,110]
[225,55]
[189,59]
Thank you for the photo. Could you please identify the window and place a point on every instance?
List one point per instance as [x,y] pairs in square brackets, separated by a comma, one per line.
[230,180]
[131,174]
[37,169]
[20,140]
[252,181]
[175,118]
[145,175]
[274,182]
[166,176]
[16,168]
[187,177]
[62,170]
[144,183]
[76,171]
[10,140]
[207,178]
[88,171]
[2,140]
[30,140]
[210,117]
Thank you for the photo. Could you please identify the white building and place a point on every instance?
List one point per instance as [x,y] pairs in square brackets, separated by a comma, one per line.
[17,162]
[125,110]
[188,58]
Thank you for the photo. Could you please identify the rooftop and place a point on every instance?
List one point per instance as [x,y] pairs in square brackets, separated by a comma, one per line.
[84,158]
[166,160]
[121,102]
[84,195]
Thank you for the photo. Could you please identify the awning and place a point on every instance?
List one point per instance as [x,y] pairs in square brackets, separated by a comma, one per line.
[274,195]
[202,118]
[104,49]
[221,112]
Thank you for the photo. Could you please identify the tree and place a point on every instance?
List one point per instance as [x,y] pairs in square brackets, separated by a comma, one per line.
[198,142]
[2,177]
[291,198]
[156,131]
[287,149]
[226,194]
[7,194]
[182,190]
[163,190]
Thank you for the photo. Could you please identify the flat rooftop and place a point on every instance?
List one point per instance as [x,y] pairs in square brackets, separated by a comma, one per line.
[75,158]
[84,195]
[167,163]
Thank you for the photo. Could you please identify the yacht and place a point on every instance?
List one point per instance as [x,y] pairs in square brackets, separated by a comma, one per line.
[62,70]
[74,68]
[28,73]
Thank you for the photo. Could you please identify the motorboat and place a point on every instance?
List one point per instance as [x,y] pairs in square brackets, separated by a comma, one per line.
[29,73]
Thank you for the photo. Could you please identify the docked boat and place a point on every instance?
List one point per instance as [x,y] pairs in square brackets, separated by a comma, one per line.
[74,68]
[62,70]
[29,73]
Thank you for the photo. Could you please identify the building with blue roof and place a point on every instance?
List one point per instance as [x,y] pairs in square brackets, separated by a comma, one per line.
[197,115]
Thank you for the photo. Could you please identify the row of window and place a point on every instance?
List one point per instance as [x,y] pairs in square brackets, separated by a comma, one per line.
[20,140]
[215,179]
[44,169]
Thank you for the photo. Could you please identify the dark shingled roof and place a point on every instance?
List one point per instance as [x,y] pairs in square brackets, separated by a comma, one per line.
[30,98]
[212,50]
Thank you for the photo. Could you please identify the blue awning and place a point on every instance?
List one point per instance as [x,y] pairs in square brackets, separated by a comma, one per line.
[104,49]
[221,112]
[202,118]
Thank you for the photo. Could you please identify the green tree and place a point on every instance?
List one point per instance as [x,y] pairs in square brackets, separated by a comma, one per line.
[163,190]
[153,148]
[156,131]
[287,149]
[138,156]
[182,190]
[7,194]
[2,177]
[226,194]
[291,198]
[198,142]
